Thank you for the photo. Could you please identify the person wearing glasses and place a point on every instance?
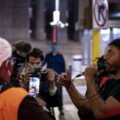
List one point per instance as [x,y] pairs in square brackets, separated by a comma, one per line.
[102,104]
[15,102]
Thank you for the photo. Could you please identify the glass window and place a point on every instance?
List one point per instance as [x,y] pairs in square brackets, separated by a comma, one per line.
[116,33]
[105,39]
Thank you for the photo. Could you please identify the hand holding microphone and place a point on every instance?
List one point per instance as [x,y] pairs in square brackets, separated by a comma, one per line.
[101,66]
[89,72]
[79,75]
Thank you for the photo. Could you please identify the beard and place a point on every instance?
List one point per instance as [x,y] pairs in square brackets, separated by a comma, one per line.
[112,68]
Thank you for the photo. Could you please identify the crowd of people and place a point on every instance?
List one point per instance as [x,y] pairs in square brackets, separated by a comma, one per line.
[22,63]
[15,102]
[55,60]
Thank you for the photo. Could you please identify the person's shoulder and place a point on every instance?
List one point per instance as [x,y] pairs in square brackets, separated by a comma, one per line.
[60,54]
[48,54]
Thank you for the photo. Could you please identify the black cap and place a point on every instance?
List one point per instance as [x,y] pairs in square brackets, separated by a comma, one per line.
[115,42]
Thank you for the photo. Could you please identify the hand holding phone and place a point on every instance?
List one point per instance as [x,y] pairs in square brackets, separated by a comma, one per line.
[34,85]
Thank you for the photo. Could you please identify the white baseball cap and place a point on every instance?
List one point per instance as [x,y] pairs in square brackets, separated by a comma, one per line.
[5,50]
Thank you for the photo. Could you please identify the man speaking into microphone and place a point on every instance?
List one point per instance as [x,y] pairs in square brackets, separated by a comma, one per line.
[101,103]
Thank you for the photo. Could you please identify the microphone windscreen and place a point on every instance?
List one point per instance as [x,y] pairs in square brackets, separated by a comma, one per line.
[23,46]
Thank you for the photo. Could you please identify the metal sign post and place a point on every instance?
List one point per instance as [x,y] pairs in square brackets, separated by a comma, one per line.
[100,20]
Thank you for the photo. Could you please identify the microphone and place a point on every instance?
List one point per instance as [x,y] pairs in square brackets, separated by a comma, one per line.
[100,64]
[79,75]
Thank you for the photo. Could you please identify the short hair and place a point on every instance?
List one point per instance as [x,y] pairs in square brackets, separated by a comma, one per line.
[37,53]
[115,42]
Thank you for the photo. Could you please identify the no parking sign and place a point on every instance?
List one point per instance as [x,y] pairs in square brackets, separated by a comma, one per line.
[100,14]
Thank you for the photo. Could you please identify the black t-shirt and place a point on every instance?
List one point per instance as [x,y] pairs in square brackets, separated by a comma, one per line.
[110,88]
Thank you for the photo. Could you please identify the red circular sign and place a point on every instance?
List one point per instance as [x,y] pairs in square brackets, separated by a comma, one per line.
[101,13]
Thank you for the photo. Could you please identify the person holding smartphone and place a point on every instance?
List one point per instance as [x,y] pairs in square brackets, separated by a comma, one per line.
[15,102]
[49,90]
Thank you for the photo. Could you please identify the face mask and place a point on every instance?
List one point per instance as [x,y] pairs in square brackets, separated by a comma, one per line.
[54,48]
[32,68]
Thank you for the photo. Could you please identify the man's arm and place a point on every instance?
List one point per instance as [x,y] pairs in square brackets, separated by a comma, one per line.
[100,108]
[80,101]
[94,103]
[51,78]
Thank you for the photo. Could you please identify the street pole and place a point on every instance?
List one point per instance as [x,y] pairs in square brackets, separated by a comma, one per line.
[56,17]
[56,21]
[57,5]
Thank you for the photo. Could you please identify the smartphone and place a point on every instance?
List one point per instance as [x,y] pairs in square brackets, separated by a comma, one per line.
[34,85]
